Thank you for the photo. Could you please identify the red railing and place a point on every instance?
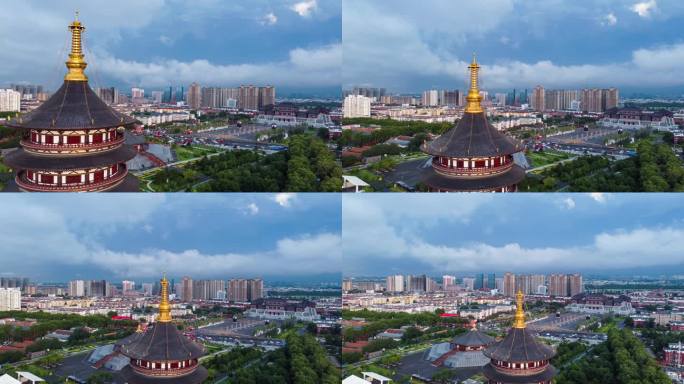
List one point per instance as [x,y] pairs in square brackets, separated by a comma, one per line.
[446,170]
[38,147]
[24,183]
[168,372]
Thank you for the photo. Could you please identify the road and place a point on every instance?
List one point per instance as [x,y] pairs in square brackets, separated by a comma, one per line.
[551,164]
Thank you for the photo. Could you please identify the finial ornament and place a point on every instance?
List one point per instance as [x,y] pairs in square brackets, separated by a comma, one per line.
[473,98]
[519,320]
[76,63]
[164,306]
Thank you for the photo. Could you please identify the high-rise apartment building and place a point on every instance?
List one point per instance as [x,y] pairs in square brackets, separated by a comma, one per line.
[357,106]
[509,284]
[591,100]
[108,95]
[266,96]
[575,285]
[10,100]
[137,93]
[448,281]
[479,281]
[237,290]
[255,289]
[14,282]
[10,299]
[127,287]
[451,98]
[417,283]
[77,288]
[538,98]
[157,97]
[186,289]
[430,98]
[491,281]
[207,289]
[611,98]
[195,96]
[558,285]
[395,283]
[500,99]
[248,98]
[147,289]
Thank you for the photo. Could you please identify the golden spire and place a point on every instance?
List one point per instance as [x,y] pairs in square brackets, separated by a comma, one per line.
[164,306]
[519,320]
[474,99]
[76,62]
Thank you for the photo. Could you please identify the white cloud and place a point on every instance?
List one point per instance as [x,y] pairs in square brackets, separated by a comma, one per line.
[309,254]
[633,249]
[609,19]
[568,203]
[410,43]
[252,209]
[107,26]
[284,199]
[304,8]
[306,67]
[269,19]
[379,235]
[166,40]
[645,8]
[598,197]
[46,231]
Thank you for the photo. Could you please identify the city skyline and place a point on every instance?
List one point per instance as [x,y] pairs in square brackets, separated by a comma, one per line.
[458,234]
[520,44]
[58,238]
[167,43]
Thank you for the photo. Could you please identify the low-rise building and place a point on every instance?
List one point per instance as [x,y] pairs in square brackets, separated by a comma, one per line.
[283,309]
[601,304]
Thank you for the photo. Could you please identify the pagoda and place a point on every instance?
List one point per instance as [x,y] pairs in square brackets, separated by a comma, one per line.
[473,156]
[519,358]
[161,354]
[73,142]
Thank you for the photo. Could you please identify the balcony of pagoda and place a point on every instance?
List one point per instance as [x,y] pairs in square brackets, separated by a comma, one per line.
[28,181]
[76,142]
[164,369]
[71,149]
[471,168]
[521,368]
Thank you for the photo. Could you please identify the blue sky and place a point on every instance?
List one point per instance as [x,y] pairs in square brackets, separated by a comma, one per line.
[412,46]
[294,44]
[466,233]
[116,236]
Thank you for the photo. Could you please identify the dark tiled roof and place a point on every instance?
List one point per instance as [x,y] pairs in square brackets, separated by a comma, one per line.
[73,106]
[544,376]
[198,376]
[519,345]
[21,159]
[132,139]
[161,342]
[435,180]
[129,184]
[473,136]
[473,338]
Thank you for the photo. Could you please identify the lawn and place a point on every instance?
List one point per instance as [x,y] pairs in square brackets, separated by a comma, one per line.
[538,159]
[187,153]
